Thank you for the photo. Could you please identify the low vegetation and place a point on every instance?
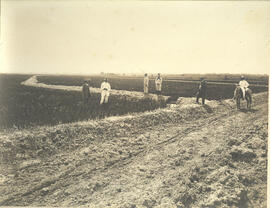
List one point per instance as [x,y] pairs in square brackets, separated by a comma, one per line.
[175,86]
[23,106]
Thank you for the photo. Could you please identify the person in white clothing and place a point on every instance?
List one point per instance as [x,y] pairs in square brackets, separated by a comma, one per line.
[105,91]
[158,82]
[145,83]
[244,86]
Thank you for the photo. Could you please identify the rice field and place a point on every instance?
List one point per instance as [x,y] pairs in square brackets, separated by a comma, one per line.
[219,87]
[28,107]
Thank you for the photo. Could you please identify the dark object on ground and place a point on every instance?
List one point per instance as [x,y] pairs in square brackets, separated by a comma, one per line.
[85,93]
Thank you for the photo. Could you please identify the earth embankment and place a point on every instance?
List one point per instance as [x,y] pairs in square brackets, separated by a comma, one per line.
[185,155]
[33,82]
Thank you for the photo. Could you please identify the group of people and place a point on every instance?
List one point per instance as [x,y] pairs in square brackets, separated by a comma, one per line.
[243,84]
[106,87]
[158,83]
[105,92]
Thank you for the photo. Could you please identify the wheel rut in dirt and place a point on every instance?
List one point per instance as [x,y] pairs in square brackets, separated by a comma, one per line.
[170,164]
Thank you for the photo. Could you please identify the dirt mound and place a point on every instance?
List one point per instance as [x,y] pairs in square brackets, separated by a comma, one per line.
[185,101]
[32,142]
[187,156]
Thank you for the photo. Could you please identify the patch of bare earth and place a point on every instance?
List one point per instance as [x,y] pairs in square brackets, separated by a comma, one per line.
[184,156]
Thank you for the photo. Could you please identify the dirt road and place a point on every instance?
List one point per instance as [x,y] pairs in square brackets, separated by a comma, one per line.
[209,159]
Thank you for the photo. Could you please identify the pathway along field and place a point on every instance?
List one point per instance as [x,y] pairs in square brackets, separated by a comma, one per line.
[185,156]
[33,82]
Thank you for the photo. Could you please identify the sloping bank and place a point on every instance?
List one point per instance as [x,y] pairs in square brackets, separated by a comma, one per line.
[33,82]
[43,141]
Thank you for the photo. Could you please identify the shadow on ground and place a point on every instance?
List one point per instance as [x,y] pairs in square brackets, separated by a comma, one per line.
[244,110]
[207,108]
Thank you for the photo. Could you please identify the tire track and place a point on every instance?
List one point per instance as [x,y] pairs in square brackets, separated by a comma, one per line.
[181,134]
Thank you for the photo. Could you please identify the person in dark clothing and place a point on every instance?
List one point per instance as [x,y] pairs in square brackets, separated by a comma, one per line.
[202,91]
[85,92]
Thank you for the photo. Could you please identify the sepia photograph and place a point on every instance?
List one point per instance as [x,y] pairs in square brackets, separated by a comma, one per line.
[134,104]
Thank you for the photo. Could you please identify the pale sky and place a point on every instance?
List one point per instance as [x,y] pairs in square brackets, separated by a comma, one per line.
[135,36]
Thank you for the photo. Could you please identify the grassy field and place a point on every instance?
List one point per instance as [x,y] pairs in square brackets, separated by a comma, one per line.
[219,87]
[22,106]
[224,78]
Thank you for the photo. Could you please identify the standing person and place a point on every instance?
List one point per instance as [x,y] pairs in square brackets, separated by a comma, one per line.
[145,83]
[244,86]
[105,91]
[158,83]
[202,91]
[85,92]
